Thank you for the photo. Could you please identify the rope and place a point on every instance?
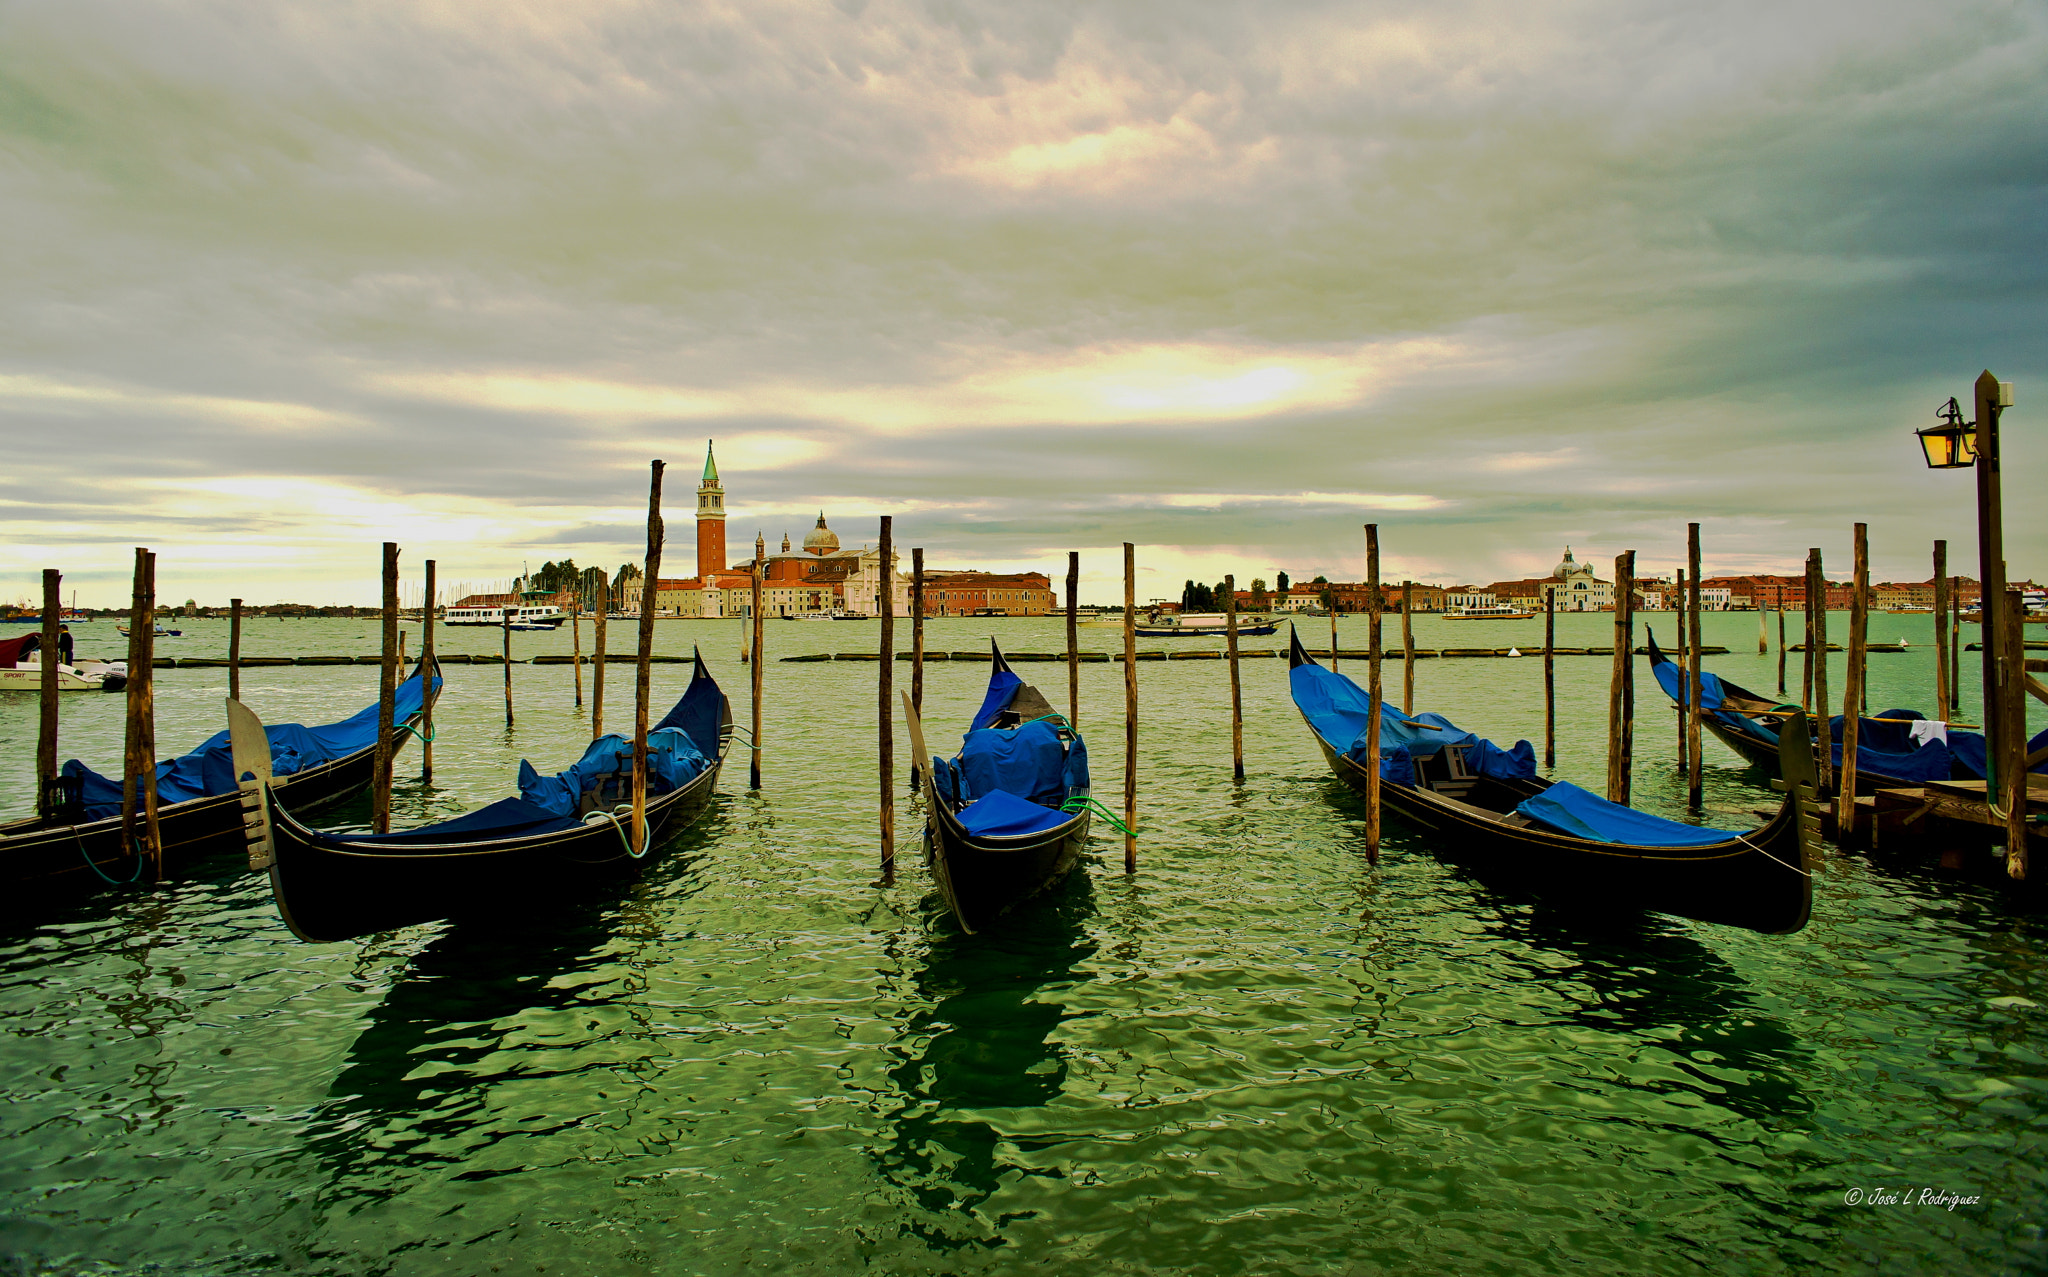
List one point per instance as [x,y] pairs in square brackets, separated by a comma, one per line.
[427,737]
[1081,803]
[1744,840]
[625,841]
[87,857]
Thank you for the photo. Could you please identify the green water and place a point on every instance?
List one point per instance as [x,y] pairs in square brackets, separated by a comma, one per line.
[1256,1056]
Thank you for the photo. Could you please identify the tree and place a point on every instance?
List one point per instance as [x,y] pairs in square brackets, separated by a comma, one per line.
[1258,593]
[1187,597]
[1328,598]
[1280,584]
[1320,579]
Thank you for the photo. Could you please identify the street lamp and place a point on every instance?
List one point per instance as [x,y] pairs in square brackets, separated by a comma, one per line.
[1952,444]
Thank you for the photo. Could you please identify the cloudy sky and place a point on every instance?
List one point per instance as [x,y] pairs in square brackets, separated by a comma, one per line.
[285,280]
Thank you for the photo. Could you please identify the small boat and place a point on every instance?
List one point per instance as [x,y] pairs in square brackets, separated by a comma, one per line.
[1906,611]
[1486,805]
[197,810]
[1009,816]
[160,632]
[1203,625]
[1895,748]
[21,670]
[516,856]
[1491,612]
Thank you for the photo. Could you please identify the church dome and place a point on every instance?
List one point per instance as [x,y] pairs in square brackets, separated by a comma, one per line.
[1569,567]
[821,540]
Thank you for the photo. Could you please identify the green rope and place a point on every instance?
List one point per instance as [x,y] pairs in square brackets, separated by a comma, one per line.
[118,882]
[428,737]
[1081,802]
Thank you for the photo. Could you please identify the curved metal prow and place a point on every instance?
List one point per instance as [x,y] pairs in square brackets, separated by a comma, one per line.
[250,745]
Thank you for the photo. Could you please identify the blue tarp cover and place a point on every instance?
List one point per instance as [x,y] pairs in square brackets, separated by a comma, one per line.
[210,769]
[1338,709]
[1002,689]
[673,761]
[1029,761]
[506,818]
[697,714]
[1568,809]
[1000,814]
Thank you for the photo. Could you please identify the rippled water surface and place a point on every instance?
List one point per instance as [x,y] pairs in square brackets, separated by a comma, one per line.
[1257,1055]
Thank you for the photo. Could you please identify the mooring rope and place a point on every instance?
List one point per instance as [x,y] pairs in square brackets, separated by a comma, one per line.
[1082,802]
[1768,856]
[623,839]
[87,856]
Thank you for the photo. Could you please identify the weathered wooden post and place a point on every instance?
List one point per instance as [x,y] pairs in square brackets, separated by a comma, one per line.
[1693,778]
[138,787]
[1781,649]
[428,669]
[597,654]
[886,743]
[1852,689]
[505,617]
[1073,639]
[576,646]
[650,585]
[1824,763]
[1618,761]
[1628,672]
[46,730]
[1806,701]
[1131,708]
[1684,666]
[1991,572]
[1236,687]
[2012,768]
[1942,695]
[916,641]
[760,629]
[1549,675]
[234,649]
[387,691]
[1333,630]
[1763,633]
[1374,701]
[1407,648]
[1955,646]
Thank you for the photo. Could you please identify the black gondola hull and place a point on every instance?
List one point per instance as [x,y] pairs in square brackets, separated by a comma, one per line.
[54,858]
[981,878]
[327,891]
[1758,882]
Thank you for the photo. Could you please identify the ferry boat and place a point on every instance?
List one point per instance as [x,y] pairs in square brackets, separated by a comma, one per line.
[540,616]
[1491,612]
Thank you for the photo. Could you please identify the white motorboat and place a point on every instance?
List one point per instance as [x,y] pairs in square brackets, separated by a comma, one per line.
[540,616]
[86,676]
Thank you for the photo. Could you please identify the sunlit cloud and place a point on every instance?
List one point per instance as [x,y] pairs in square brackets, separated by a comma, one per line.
[20,391]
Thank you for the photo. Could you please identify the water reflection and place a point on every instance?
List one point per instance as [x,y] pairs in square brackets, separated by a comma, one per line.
[982,1042]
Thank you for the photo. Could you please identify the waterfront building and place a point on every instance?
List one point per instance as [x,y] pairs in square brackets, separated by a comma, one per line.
[1576,586]
[968,592]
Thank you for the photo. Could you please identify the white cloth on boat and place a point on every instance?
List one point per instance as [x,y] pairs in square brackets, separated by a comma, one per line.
[1925,730]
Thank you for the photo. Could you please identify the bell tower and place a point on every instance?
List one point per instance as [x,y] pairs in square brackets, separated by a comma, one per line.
[710,519]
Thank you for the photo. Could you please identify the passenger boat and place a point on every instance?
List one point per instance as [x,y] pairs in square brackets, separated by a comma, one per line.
[1490,612]
[197,810]
[160,632]
[1487,806]
[1008,817]
[1205,626]
[1896,748]
[513,857]
[540,616]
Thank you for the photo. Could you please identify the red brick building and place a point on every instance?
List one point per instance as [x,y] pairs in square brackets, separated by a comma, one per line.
[969,593]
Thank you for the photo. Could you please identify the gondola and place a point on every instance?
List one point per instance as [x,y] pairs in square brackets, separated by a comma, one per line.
[1889,754]
[1486,805]
[198,813]
[511,858]
[998,827]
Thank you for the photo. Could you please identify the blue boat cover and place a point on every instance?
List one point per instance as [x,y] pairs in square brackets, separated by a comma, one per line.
[697,714]
[1567,809]
[1969,751]
[1338,709]
[1001,814]
[673,761]
[1002,689]
[210,769]
[506,818]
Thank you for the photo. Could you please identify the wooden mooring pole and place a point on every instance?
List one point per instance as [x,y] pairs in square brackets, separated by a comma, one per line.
[234,649]
[1942,696]
[597,654]
[1852,689]
[1781,650]
[428,670]
[1236,687]
[1131,707]
[757,620]
[505,617]
[1407,648]
[643,674]
[1374,700]
[387,692]
[1825,751]
[1955,647]
[1073,639]
[1693,777]
[1618,761]
[46,724]
[1806,701]
[2014,685]
[138,786]
[886,742]
[1684,667]
[1549,677]
[916,640]
[1333,630]
[576,647]
[1627,606]
[1763,632]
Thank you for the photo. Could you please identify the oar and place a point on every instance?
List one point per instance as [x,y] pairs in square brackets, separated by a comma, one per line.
[919,757]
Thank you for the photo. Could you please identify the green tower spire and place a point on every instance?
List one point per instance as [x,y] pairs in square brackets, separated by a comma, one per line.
[710,465]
